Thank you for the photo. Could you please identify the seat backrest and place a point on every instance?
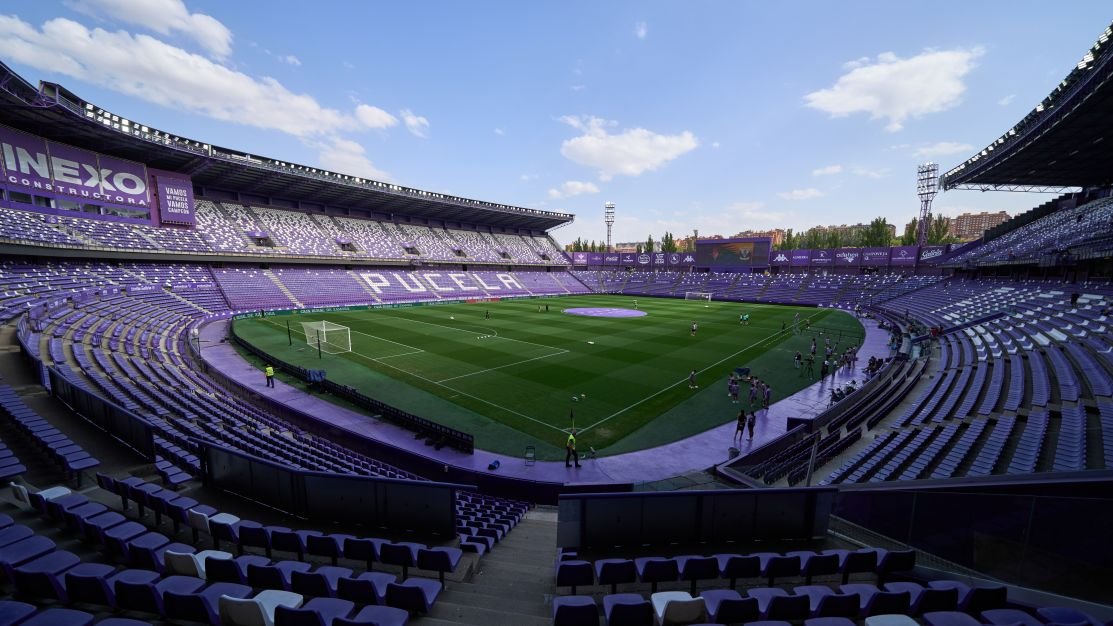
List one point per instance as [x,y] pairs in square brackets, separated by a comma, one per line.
[197,520]
[241,612]
[684,611]
[182,563]
[19,492]
[288,616]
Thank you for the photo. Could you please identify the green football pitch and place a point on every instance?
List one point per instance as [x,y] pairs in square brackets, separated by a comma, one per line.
[510,380]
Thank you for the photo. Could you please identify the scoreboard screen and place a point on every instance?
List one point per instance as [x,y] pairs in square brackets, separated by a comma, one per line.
[750,252]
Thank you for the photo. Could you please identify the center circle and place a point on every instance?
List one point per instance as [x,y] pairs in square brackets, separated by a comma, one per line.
[604,312]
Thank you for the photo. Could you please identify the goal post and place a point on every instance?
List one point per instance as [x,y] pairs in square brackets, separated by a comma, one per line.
[697,295]
[330,338]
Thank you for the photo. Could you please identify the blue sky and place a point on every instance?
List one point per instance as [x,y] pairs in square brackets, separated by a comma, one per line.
[721,116]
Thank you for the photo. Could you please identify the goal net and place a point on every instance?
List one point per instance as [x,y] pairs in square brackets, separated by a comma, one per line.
[332,338]
[697,295]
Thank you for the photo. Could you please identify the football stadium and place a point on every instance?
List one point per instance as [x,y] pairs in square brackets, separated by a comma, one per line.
[236,389]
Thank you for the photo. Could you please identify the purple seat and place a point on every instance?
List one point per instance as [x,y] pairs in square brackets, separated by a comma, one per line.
[12,612]
[573,574]
[59,617]
[20,552]
[439,559]
[365,587]
[365,549]
[42,578]
[331,546]
[232,570]
[316,612]
[147,596]
[655,569]
[627,609]
[94,527]
[291,540]
[155,558]
[402,554]
[73,517]
[121,621]
[949,618]
[774,565]
[140,550]
[616,571]
[377,615]
[777,604]
[276,575]
[224,527]
[319,583]
[812,564]
[891,562]
[974,599]
[696,568]
[55,507]
[829,621]
[855,562]
[727,606]
[886,603]
[1004,617]
[415,595]
[575,611]
[115,539]
[203,605]
[94,583]
[256,536]
[1065,615]
[926,599]
[15,533]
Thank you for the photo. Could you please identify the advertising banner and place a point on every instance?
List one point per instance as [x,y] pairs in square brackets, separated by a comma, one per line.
[848,257]
[904,256]
[594,258]
[780,258]
[611,258]
[659,258]
[644,259]
[174,197]
[36,164]
[823,258]
[628,258]
[579,258]
[800,258]
[682,258]
[875,257]
[929,253]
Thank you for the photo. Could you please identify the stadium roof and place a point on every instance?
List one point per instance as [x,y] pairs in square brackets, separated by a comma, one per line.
[1066,141]
[56,113]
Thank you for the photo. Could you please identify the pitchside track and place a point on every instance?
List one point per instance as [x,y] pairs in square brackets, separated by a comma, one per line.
[516,378]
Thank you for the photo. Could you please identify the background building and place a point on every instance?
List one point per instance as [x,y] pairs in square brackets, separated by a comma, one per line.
[967,226]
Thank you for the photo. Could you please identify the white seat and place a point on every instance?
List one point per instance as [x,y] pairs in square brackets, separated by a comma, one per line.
[257,611]
[192,563]
[678,607]
[890,620]
[21,495]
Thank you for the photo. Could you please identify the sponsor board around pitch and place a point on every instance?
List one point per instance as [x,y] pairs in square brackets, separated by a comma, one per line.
[800,258]
[659,258]
[780,257]
[32,163]
[875,257]
[595,258]
[628,258]
[644,259]
[930,253]
[579,258]
[903,255]
[823,257]
[848,257]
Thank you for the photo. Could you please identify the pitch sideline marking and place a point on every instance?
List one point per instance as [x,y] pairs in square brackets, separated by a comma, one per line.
[683,380]
[414,349]
[491,369]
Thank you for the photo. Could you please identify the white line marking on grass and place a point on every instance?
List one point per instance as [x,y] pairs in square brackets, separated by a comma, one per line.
[685,379]
[493,333]
[461,393]
[413,349]
[491,369]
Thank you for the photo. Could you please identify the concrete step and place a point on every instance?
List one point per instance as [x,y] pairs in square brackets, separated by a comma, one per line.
[465,595]
[484,616]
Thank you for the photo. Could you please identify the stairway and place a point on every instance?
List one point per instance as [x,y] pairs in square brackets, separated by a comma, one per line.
[285,290]
[513,584]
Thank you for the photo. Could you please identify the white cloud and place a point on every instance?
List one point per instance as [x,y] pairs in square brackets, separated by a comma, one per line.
[147,68]
[1007,100]
[163,17]
[715,144]
[629,153]
[525,178]
[943,148]
[348,65]
[572,188]
[374,117]
[348,157]
[498,131]
[290,59]
[641,29]
[827,170]
[801,194]
[416,124]
[867,172]
[897,89]
[578,87]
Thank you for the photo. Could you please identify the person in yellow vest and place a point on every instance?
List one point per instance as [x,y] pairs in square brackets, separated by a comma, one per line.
[269,371]
[570,449]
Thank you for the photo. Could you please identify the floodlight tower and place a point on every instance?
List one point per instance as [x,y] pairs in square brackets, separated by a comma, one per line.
[608,217]
[927,185]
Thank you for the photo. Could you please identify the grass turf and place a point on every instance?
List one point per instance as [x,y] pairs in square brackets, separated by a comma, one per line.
[510,379]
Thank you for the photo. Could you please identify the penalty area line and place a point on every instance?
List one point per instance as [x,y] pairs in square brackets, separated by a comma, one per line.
[491,369]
